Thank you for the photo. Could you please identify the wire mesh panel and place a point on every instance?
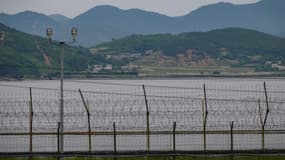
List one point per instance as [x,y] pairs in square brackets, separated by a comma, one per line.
[44,143]
[14,109]
[75,143]
[14,143]
[218,142]
[247,142]
[189,142]
[131,142]
[274,141]
[102,143]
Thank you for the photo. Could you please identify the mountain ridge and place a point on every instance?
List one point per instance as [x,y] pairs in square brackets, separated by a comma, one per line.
[60,18]
[104,23]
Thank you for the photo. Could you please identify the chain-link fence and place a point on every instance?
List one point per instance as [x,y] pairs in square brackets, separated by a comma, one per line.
[147,118]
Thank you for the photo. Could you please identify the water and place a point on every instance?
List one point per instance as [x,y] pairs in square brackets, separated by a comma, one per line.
[122,101]
[193,82]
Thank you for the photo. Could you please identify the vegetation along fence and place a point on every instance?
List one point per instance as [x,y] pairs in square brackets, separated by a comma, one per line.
[143,119]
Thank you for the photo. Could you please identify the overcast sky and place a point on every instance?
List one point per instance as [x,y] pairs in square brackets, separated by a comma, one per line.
[72,8]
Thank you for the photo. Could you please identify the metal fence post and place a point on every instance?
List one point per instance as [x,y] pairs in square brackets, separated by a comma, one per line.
[203,124]
[174,141]
[58,141]
[174,137]
[89,128]
[147,120]
[115,140]
[232,138]
[205,116]
[265,117]
[61,107]
[261,124]
[267,105]
[86,106]
[31,122]
[263,137]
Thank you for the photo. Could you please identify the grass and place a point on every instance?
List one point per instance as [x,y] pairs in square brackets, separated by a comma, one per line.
[154,158]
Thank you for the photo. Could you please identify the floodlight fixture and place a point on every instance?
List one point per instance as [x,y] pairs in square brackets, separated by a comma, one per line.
[74,33]
[49,33]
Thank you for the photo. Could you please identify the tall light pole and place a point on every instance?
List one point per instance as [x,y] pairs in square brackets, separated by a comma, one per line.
[49,33]
[61,110]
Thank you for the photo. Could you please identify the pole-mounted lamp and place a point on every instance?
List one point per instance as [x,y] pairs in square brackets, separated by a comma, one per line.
[73,33]
[2,36]
[49,33]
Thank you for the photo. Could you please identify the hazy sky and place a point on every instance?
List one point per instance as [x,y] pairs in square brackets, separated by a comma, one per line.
[72,8]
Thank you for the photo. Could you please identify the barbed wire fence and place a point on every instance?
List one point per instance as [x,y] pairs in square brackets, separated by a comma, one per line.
[133,118]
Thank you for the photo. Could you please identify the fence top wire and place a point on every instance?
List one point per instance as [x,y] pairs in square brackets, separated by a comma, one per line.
[152,91]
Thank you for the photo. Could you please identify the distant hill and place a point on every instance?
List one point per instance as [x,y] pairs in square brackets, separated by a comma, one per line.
[234,46]
[24,55]
[266,16]
[61,19]
[32,23]
[104,23]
